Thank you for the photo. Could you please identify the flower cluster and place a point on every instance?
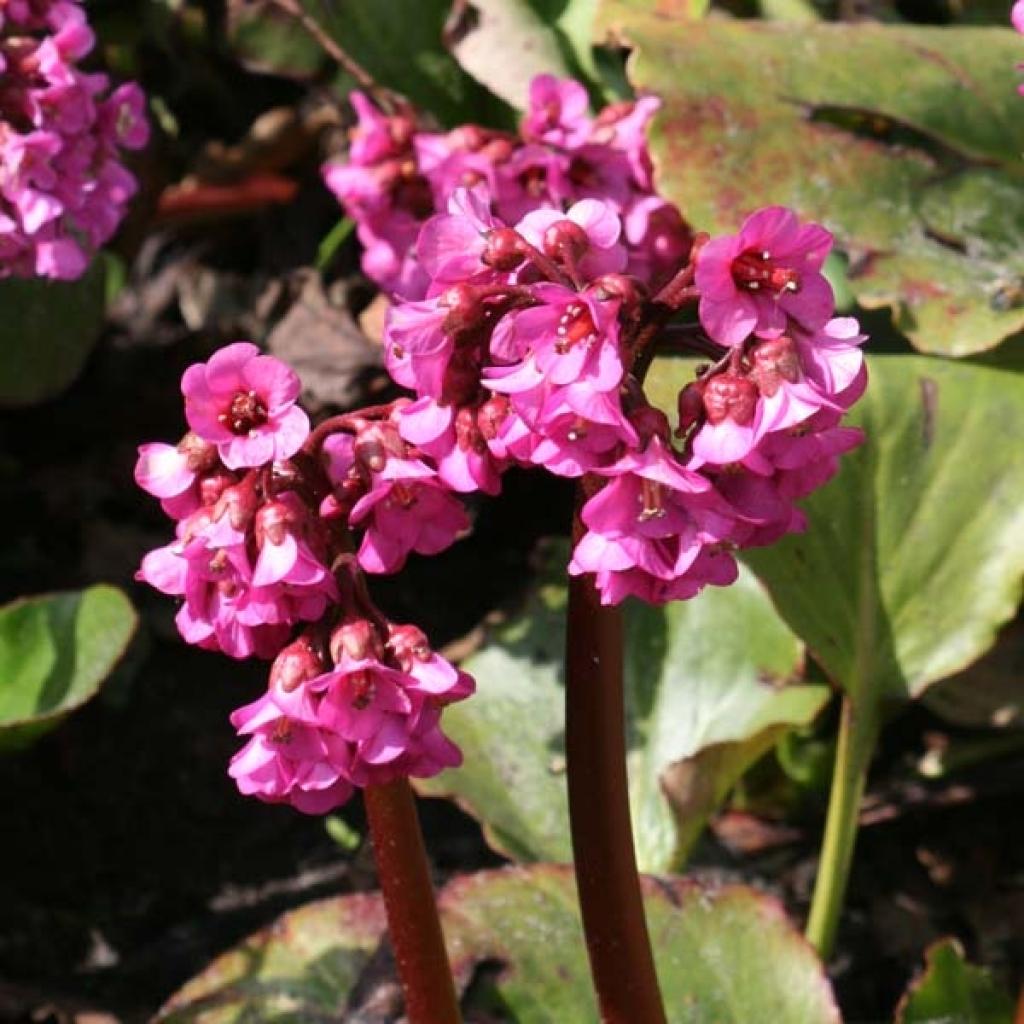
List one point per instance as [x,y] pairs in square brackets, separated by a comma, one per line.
[528,317]
[353,699]
[523,354]
[397,176]
[63,189]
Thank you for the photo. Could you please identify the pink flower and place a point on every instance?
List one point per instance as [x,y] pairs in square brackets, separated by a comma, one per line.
[452,439]
[654,519]
[452,247]
[585,237]
[407,509]
[557,111]
[753,282]
[1017,15]
[244,403]
[288,760]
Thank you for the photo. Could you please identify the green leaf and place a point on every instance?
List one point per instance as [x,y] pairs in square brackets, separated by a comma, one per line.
[46,333]
[504,43]
[55,651]
[705,698]
[726,955]
[905,142]
[952,991]
[913,556]
[399,42]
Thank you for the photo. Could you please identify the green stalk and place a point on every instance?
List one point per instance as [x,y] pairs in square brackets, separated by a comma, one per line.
[858,733]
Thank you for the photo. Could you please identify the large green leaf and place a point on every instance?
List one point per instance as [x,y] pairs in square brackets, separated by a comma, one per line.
[47,331]
[725,955]
[952,991]
[55,651]
[913,556]
[905,142]
[705,698]
[400,43]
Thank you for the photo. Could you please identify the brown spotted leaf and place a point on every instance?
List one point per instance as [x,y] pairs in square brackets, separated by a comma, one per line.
[905,142]
[727,955]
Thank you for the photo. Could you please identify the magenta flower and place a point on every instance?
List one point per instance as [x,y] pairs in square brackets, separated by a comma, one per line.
[557,111]
[586,236]
[289,761]
[244,403]
[407,509]
[1017,15]
[755,281]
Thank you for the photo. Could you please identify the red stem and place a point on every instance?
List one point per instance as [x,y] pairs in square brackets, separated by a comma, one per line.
[621,961]
[413,924]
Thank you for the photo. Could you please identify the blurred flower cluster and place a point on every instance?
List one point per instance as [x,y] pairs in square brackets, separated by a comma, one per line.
[63,188]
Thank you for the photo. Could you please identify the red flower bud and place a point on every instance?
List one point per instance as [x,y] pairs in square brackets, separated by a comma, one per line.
[408,644]
[730,396]
[296,664]
[503,249]
[357,639]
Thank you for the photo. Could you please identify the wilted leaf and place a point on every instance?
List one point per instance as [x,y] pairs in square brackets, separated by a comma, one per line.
[503,44]
[952,991]
[904,141]
[727,955]
[913,556]
[47,331]
[705,698]
[55,651]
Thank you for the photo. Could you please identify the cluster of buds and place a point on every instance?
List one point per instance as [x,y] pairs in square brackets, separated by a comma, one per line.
[396,176]
[63,189]
[353,699]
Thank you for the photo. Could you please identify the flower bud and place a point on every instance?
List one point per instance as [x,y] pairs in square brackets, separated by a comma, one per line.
[465,309]
[297,663]
[274,521]
[200,455]
[409,644]
[357,639]
[730,396]
[690,405]
[628,290]
[503,249]
[213,484]
[565,239]
[375,441]
[775,360]
[491,415]
[239,503]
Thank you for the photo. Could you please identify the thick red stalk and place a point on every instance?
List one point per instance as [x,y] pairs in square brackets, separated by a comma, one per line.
[621,961]
[413,924]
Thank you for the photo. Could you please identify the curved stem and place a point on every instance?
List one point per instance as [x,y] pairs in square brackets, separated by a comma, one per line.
[858,732]
[413,924]
[621,961]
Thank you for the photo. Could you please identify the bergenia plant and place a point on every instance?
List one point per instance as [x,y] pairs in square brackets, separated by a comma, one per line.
[63,189]
[532,280]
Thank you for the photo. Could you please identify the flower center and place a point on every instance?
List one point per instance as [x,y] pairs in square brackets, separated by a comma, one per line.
[756,271]
[361,689]
[282,731]
[651,501]
[575,325]
[246,412]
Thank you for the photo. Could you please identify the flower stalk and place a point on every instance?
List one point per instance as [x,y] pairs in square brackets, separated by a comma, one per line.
[858,733]
[413,922]
[618,945]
